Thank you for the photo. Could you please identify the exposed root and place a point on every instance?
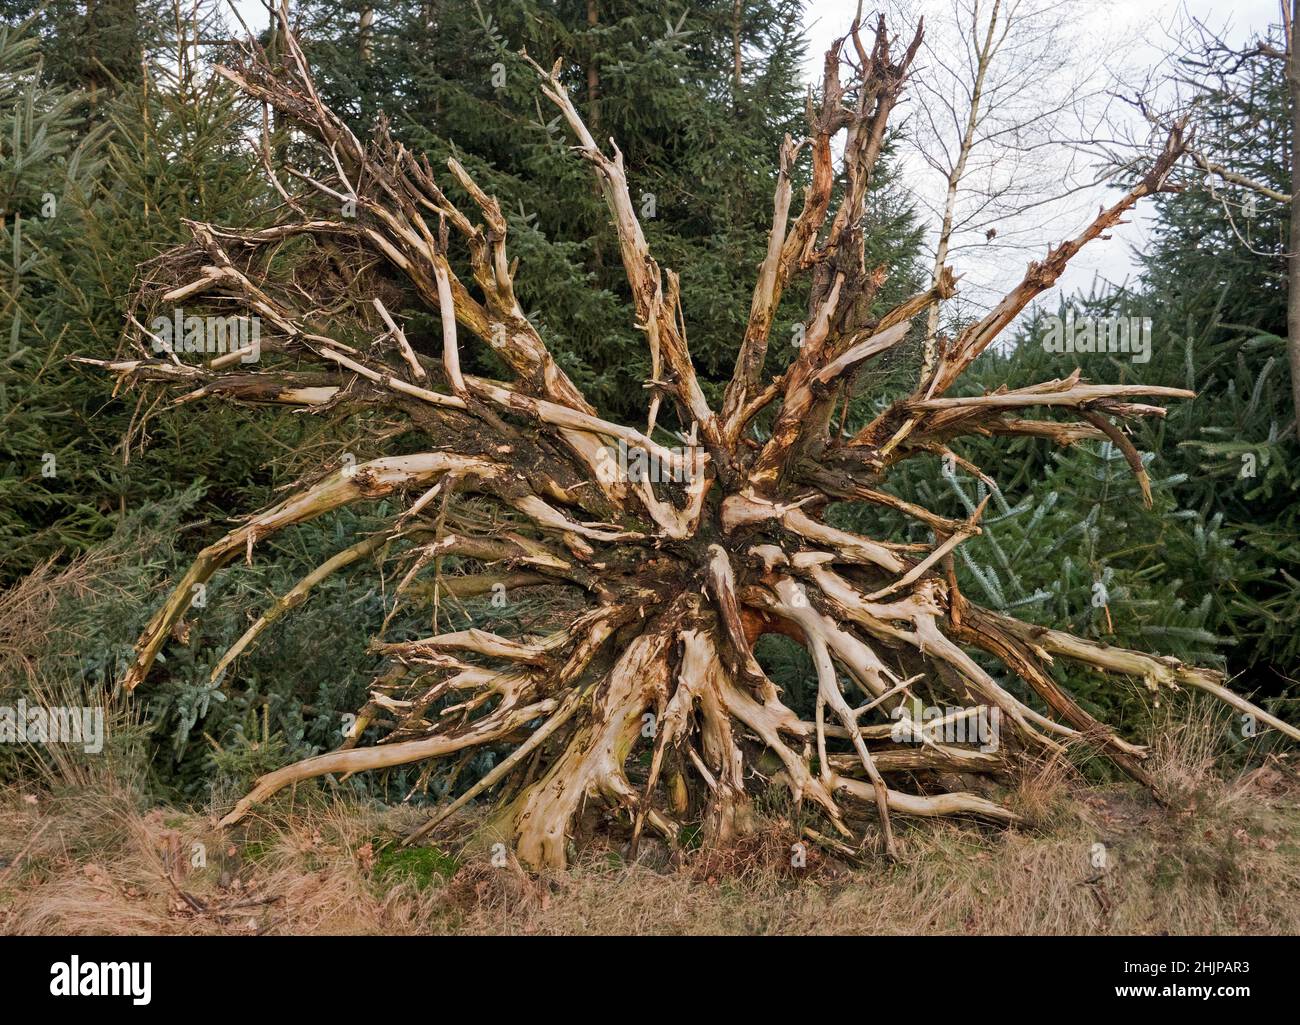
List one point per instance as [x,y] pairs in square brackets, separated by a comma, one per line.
[647,707]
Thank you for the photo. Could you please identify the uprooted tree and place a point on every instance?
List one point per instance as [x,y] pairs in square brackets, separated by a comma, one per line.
[680,576]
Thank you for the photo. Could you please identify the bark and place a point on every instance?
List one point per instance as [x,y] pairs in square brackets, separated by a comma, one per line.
[737,8]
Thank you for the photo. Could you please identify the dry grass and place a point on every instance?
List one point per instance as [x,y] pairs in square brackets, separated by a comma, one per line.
[26,670]
[1226,860]
[25,611]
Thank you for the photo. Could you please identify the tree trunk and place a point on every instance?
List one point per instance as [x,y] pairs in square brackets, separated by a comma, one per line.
[593,71]
[983,58]
[737,9]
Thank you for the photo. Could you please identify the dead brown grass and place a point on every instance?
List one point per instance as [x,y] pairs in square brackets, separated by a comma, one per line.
[1225,860]
[27,670]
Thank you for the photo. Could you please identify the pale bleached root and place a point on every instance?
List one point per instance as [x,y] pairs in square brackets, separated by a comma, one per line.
[480,642]
[693,708]
[932,806]
[857,657]
[657,312]
[1154,670]
[722,586]
[773,722]
[700,683]
[363,759]
[673,522]
[538,822]
[294,597]
[768,718]
[499,772]
[748,509]
[1067,392]
[587,436]
[930,757]
[829,694]
[922,610]
[973,626]
[373,479]
[590,632]
[919,609]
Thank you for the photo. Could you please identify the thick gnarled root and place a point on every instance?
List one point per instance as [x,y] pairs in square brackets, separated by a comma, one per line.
[592,763]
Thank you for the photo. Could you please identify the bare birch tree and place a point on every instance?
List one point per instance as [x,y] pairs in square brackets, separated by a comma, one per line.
[1008,94]
[1210,81]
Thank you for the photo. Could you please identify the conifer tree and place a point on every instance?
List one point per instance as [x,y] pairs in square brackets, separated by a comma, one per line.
[95,47]
[89,191]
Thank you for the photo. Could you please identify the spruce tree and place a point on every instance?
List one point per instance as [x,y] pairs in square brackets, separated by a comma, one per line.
[88,190]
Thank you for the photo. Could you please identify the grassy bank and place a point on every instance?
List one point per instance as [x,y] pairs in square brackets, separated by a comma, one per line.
[1224,857]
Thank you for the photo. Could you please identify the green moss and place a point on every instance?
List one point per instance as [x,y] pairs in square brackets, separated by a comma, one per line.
[419,865]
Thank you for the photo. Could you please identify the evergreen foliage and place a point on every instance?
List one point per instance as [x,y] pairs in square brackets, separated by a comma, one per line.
[89,200]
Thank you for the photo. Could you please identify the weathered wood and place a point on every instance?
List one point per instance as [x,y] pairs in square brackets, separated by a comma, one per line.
[678,571]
